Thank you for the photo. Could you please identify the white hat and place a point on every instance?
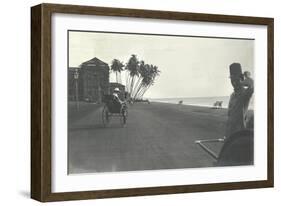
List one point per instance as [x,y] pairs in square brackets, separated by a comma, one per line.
[116,89]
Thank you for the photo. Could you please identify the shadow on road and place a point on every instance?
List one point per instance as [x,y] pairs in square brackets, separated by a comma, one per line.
[94,127]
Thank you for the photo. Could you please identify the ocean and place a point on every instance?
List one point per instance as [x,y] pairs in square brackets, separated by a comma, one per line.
[199,101]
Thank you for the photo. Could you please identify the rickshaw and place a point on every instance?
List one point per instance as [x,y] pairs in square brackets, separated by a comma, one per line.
[113,108]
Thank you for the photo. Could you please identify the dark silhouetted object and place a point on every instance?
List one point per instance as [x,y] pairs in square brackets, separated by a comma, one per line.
[238,149]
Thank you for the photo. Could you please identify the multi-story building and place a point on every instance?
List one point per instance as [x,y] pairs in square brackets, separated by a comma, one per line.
[92,81]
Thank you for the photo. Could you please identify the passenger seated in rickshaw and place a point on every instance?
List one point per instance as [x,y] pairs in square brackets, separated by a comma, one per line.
[114,103]
[116,98]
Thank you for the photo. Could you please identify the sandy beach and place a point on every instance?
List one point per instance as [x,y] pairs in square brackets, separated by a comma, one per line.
[157,136]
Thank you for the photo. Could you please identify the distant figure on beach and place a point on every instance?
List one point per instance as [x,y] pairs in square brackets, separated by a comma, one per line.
[180,102]
[239,99]
[217,105]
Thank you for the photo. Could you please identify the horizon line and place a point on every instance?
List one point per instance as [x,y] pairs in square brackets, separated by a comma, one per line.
[184,97]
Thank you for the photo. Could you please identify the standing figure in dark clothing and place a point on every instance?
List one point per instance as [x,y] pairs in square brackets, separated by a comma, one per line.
[239,100]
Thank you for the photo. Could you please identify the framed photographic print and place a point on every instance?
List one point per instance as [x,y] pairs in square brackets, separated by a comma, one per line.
[129,102]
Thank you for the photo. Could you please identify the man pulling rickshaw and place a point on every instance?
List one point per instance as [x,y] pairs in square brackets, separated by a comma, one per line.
[237,146]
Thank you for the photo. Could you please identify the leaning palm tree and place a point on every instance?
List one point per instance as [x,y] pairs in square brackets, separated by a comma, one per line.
[143,78]
[132,68]
[146,82]
[149,80]
[140,76]
[117,67]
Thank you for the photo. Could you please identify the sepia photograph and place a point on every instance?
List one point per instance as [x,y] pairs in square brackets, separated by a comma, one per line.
[139,101]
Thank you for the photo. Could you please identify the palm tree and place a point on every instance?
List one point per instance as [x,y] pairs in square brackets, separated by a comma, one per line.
[133,70]
[149,79]
[143,71]
[146,81]
[140,77]
[117,67]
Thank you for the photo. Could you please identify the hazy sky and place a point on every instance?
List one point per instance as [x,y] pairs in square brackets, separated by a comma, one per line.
[190,66]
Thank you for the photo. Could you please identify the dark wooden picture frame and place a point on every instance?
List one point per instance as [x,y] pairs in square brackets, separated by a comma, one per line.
[41,117]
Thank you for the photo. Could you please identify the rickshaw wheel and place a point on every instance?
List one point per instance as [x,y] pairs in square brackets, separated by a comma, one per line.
[105,116]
